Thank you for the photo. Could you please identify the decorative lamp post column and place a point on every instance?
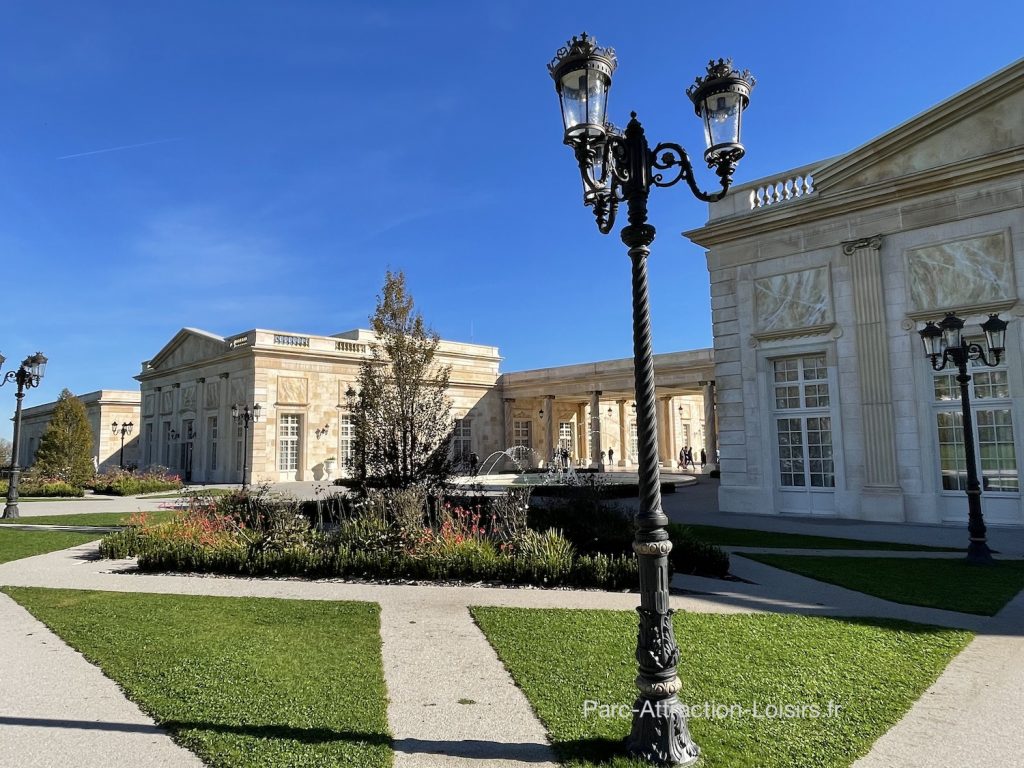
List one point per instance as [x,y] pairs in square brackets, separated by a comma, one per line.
[125,428]
[28,375]
[245,414]
[621,167]
[943,344]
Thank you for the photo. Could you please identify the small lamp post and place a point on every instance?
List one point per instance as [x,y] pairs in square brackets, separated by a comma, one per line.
[28,375]
[125,428]
[944,344]
[621,167]
[245,414]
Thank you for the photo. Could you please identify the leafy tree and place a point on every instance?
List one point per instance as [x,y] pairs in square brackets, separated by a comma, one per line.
[6,449]
[401,414]
[65,449]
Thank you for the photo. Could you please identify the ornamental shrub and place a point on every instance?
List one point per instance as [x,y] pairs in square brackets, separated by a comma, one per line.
[33,485]
[118,482]
[65,449]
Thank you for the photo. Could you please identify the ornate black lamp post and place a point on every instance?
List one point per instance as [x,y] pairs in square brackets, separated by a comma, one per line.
[125,428]
[245,414]
[621,167]
[944,343]
[28,375]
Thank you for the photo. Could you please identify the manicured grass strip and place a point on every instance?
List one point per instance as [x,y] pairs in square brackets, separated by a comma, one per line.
[953,585]
[97,518]
[874,671]
[740,537]
[15,545]
[239,681]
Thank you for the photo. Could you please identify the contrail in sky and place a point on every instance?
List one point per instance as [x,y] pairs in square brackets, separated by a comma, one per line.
[117,149]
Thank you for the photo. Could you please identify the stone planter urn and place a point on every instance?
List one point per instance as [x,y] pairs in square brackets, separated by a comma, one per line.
[329,467]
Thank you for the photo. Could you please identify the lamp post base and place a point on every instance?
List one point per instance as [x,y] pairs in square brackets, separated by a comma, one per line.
[660,734]
[979,553]
[11,511]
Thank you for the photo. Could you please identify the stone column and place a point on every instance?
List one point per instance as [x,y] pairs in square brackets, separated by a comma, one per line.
[623,433]
[664,448]
[509,438]
[582,443]
[710,424]
[881,478]
[549,420]
[199,445]
[595,430]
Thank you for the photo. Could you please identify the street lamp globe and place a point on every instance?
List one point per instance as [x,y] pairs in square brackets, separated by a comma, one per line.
[952,330]
[995,335]
[931,337]
[719,98]
[582,72]
[36,364]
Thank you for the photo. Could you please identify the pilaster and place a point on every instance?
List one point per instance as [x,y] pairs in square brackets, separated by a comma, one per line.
[881,475]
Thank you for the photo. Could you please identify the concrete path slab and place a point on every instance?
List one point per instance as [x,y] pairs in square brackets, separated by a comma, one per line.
[57,709]
[451,701]
[971,715]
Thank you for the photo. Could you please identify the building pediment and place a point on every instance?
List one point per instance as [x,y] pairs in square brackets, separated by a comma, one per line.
[189,345]
[978,124]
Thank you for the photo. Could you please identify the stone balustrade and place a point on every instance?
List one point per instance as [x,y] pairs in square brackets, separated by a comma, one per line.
[766,193]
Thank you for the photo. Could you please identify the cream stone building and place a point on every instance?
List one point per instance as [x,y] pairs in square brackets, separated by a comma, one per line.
[299,381]
[103,409]
[820,279]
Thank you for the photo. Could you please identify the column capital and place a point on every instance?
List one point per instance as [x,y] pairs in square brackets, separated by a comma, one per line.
[873,243]
[707,383]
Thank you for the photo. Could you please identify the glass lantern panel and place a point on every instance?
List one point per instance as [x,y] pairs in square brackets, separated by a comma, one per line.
[722,119]
[574,98]
[597,97]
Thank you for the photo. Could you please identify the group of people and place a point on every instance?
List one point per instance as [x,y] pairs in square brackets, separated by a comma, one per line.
[686,458]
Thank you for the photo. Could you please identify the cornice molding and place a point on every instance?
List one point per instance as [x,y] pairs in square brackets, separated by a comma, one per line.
[828,204]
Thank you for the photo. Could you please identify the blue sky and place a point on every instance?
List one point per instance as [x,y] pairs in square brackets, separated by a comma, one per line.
[233,165]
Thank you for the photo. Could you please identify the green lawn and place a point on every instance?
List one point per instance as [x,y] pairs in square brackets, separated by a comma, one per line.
[95,518]
[741,537]
[953,585]
[15,545]
[874,671]
[239,681]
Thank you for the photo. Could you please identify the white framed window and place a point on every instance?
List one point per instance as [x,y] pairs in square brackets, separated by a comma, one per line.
[566,437]
[211,442]
[166,442]
[462,442]
[149,443]
[994,438]
[346,440]
[803,422]
[288,432]
[239,448]
[522,433]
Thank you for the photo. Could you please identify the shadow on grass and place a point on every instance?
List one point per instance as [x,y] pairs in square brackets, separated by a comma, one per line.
[596,750]
[302,735]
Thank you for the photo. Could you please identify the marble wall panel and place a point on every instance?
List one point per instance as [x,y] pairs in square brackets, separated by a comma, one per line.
[975,270]
[188,398]
[292,390]
[793,300]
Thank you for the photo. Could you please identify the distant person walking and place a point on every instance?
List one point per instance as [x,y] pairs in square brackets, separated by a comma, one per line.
[703,458]
[682,458]
[611,456]
[688,458]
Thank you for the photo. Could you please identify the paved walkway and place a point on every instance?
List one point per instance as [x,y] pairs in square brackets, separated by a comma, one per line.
[435,658]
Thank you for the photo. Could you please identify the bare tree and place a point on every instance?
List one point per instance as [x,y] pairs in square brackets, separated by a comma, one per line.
[401,412]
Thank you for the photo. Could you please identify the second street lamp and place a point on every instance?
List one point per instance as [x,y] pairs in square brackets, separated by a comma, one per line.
[125,428]
[621,167]
[245,414]
[943,344]
[28,375]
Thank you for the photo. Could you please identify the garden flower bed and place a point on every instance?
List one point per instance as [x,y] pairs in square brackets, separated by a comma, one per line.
[118,482]
[389,536]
